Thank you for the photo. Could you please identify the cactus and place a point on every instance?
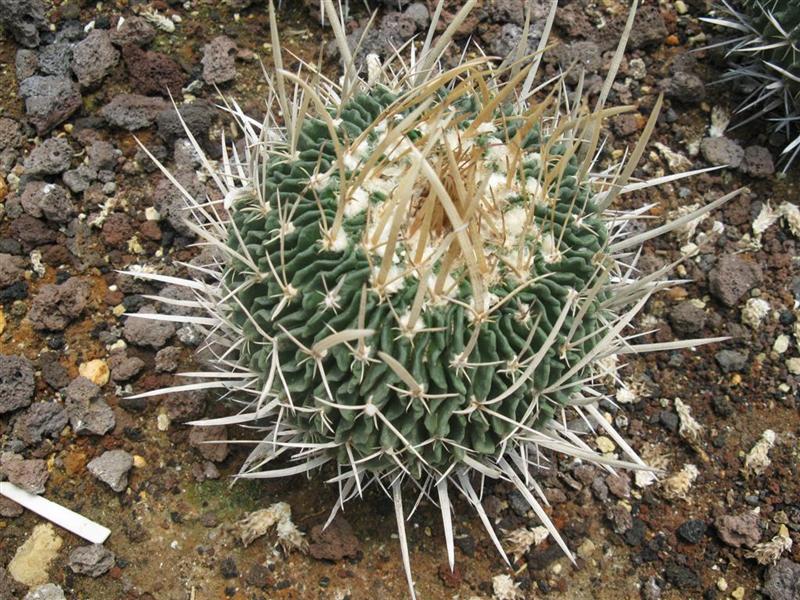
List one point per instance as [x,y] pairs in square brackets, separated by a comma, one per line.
[764,51]
[422,276]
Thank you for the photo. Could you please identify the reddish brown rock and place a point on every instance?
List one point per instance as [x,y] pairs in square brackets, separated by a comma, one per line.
[739,530]
[117,230]
[56,305]
[732,277]
[153,72]
[211,442]
[334,543]
[151,230]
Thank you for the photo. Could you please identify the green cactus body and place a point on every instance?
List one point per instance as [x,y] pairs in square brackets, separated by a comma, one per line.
[327,284]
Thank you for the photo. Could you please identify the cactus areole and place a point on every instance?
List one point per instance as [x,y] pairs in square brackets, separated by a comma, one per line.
[421,280]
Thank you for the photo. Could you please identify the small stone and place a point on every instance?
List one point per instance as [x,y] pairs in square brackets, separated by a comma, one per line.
[620,517]
[163,422]
[95,371]
[133,30]
[605,445]
[754,312]
[93,58]
[584,55]
[669,419]
[26,63]
[146,332]
[153,72]
[681,577]
[55,59]
[24,19]
[81,390]
[31,475]
[11,136]
[757,162]
[687,318]
[739,530]
[692,531]
[189,335]
[197,116]
[51,157]
[684,87]
[48,200]
[600,489]
[48,591]
[117,230]
[11,269]
[793,365]
[626,124]
[383,38]
[167,359]
[31,233]
[53,372]
[731,360]
[228,569]
[721,151]
[637,68]
[102,156]
[17,384]
[211,442]
[32,559]
[782,580]
[56,305]
[418,12]
[219,57]
[49,100]
[185,406]
[123,367]
[171,203]
[93,560]
[650,589]
[132,111]
[738,593]
[112,468]
[259,576]
[40,420]
[648,28]
[586,549]
[781,344]
[79,179]
[619,485]
[732,278]
[210,470]
[88,413]
[335,543]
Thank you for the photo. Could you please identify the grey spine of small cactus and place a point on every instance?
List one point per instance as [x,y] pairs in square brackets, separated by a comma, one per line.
[424,277]
[762,44]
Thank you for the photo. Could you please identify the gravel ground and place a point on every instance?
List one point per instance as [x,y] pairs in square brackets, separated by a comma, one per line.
[80,201]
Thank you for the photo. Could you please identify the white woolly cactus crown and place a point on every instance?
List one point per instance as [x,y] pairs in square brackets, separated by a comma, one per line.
[423,278]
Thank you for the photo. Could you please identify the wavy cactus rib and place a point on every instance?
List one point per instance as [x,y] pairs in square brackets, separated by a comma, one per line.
[422,280]
[764,49]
